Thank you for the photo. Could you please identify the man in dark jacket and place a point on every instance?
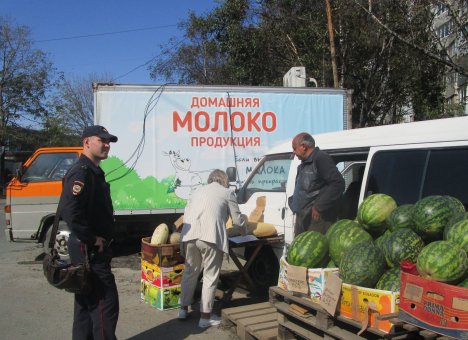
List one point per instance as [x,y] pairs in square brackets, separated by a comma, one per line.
[87,209]
[318,189]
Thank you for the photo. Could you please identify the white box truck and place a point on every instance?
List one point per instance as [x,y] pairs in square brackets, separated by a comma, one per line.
[170,138]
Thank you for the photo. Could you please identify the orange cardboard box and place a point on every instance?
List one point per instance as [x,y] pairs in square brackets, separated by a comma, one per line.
[435,306]
[365,304]
[164,255]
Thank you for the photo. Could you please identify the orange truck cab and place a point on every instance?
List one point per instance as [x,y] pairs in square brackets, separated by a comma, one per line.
[32,196]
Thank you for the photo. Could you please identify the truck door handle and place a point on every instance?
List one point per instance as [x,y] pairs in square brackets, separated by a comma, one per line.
[283,213]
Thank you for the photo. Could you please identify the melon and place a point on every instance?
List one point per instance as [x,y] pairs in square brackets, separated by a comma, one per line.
[345,238]
[160,234]
[362,265]
[402,245]
[374,211]
[401,217]
[308,249]
[442,261]
[430,216]
[174,238]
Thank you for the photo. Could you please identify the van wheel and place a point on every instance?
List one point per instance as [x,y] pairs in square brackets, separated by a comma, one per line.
[61,240]
[264,270]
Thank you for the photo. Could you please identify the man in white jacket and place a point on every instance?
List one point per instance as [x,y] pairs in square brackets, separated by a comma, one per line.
[204,241]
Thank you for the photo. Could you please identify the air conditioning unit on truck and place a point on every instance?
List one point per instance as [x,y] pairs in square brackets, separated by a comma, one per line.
[170,139]
[406,161]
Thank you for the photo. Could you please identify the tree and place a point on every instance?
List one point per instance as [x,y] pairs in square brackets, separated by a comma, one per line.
[71,108]
[24,78]
[386,52]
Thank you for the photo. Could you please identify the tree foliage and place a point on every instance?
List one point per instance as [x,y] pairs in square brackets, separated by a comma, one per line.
[24,79]
[387,52]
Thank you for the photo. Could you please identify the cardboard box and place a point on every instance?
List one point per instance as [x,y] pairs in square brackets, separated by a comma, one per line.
[161,276]
[365,304]
[435,306]
[164,255]
[316,279]
[160,298]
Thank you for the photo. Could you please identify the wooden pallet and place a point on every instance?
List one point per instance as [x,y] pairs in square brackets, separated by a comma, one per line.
[424,334]
[257,321]
[316,323]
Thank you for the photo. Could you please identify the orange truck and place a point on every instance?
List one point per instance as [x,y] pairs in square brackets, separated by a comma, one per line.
[32,196]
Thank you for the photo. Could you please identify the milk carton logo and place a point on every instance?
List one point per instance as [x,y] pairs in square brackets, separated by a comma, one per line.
[184,180]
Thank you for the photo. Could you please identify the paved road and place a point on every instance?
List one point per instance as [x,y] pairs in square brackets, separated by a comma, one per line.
[32,309]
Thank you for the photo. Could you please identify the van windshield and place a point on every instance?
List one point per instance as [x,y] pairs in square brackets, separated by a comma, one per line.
[49,167]
[270,176]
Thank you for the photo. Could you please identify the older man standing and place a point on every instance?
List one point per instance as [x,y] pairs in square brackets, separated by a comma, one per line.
[319,187]
[204,241]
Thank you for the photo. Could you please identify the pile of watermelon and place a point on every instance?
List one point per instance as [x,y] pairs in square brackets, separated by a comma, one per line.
[433,233]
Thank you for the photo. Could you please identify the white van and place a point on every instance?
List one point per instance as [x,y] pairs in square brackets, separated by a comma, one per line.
[406,161]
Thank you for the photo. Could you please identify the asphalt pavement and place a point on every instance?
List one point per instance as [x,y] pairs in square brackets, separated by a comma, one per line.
[32,309]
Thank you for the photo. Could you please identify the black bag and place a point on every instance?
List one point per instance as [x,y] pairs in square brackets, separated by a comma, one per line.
[74,278]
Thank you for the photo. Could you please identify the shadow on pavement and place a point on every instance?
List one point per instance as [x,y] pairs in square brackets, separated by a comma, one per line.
[173,329]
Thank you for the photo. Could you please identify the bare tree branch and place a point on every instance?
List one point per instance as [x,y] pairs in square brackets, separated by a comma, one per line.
[453,66]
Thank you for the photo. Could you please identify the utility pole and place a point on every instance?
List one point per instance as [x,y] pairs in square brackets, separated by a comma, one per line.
[332,45]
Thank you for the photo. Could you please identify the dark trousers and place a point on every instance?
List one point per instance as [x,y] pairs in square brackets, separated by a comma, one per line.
[95,314]
[304,222]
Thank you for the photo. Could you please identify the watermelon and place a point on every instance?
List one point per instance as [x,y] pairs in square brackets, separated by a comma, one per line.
[308,249]
[456,204]
[338,225]
[442,261]
[343,239]
[331,264]
[374,211]
[454,219]
[362,265]
[401,217]
[390,280]
[380,241]
[464,283]
[458,233]
[402,245]
[430,216]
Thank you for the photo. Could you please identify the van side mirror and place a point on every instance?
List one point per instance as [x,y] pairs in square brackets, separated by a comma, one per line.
[231,173]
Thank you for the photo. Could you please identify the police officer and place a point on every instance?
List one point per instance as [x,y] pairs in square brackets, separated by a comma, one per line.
[86,206]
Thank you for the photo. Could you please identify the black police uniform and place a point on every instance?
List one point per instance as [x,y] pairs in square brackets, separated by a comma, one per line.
[87,209]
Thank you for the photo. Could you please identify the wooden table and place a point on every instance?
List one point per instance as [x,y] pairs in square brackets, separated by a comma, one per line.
[243,269]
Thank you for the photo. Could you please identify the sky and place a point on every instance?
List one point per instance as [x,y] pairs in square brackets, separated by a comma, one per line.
[115,37]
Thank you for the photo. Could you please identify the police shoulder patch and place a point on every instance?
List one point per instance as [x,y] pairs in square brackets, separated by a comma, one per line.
[77,187]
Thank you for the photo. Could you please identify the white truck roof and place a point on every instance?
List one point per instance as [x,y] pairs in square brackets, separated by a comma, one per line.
[429,131]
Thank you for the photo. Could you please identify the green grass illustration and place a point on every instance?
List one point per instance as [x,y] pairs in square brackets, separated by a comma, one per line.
[130,191]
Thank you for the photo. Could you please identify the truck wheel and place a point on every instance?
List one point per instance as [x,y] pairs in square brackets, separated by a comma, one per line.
[61,240]
[264,270]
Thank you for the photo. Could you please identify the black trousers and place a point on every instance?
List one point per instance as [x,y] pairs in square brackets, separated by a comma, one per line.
[304,222]
[95,314]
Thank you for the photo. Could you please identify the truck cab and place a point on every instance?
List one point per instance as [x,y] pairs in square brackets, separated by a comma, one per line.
[32,196]
[406,161]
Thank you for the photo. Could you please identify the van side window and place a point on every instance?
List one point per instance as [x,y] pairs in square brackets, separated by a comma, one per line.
[49,167]
[409,175]
[271,176]
[447,174]
[398,174]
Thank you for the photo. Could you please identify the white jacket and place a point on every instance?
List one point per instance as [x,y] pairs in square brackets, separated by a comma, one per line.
[206,214]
